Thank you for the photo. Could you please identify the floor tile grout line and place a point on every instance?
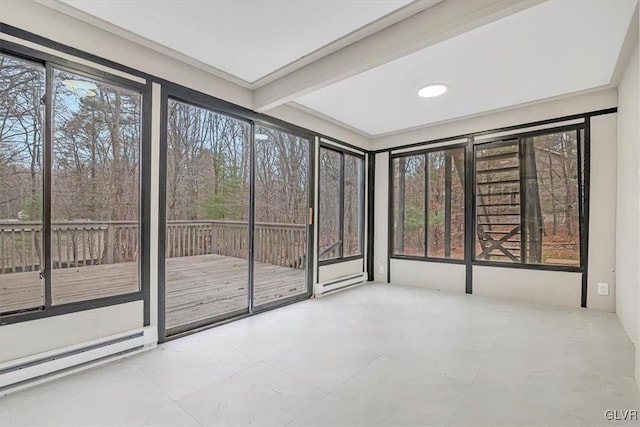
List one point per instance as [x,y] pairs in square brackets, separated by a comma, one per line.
[296,377]
[218,380]
[331,393]
[487,353]
[160,406]
[352,376]
[188,413]
[135,365]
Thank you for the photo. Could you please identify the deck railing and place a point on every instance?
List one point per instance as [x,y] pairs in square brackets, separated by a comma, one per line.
[75,244]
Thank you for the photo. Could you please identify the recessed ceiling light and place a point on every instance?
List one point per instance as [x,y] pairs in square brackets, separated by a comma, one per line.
[429,91]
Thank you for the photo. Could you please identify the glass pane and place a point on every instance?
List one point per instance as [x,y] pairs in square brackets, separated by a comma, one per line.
[498,202]
[437,192]
[446,204]
[281,212]
[95,188]
[21,112]
[207,234]
[353,205]
[457,203]
[409,205]
[552,219]
[329,205]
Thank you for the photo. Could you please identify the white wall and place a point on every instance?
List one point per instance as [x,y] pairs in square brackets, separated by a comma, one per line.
[24,339]
[526,285]
[381,217]
[429,275]
[304,119]
[544,287]
[538,111]
[335,271]
[602,212]
[628,205]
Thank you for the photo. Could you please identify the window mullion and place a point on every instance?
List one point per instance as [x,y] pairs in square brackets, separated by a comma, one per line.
[426,204]
[342,208]
[523,200]
[469,213]
[252,217]
[447,203]
[46,185]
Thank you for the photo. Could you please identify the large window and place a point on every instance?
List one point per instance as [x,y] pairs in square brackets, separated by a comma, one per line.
[434,229]
[341,204]
[527,193]
[527,200]
[94,188]
[408,204]
[21,171]
[92,157]
[445,189]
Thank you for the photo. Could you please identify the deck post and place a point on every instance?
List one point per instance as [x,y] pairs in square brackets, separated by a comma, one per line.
[110,242]
[214,239]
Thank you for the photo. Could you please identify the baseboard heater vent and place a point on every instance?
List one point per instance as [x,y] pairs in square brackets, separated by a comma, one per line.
[339,284]
[18,374]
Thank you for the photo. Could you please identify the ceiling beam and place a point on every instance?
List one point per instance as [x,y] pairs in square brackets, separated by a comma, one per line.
[440,22]
[386,21]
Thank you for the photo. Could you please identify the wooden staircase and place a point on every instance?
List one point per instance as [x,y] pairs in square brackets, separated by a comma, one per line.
[500,196]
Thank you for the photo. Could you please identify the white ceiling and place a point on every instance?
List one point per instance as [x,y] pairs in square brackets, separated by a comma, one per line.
[552,49]
[248,39]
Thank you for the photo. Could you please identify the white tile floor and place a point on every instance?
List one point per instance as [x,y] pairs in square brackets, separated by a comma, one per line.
[377,355]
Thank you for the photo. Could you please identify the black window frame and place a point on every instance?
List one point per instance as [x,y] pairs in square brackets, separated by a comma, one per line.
[48,309]
[185,95]
[549,125]
[519,140]
[424,152]
[342,151]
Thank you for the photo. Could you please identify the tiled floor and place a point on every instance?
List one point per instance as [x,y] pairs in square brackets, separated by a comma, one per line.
[377,355]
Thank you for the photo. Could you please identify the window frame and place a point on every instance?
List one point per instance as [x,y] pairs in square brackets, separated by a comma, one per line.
[336,147]
[201,100]
[50,63]
[581,130]
[424,152]
[580,123]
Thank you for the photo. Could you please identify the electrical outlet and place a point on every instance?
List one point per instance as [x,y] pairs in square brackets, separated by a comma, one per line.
[603,289]
[380,270]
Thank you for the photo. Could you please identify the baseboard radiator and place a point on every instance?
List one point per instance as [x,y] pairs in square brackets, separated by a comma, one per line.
[25,372]
[340,284]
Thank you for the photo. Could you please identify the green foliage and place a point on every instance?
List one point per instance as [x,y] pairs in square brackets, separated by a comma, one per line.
[225,197]
[414,218]
[436,217]
[32,211]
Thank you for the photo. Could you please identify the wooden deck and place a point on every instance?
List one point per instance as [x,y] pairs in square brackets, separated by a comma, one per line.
[197,287]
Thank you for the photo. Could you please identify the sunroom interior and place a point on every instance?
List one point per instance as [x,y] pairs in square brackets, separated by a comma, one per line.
[183,176]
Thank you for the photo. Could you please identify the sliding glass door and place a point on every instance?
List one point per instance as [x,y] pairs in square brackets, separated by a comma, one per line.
[282,214]
[207,216]
[236,200]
